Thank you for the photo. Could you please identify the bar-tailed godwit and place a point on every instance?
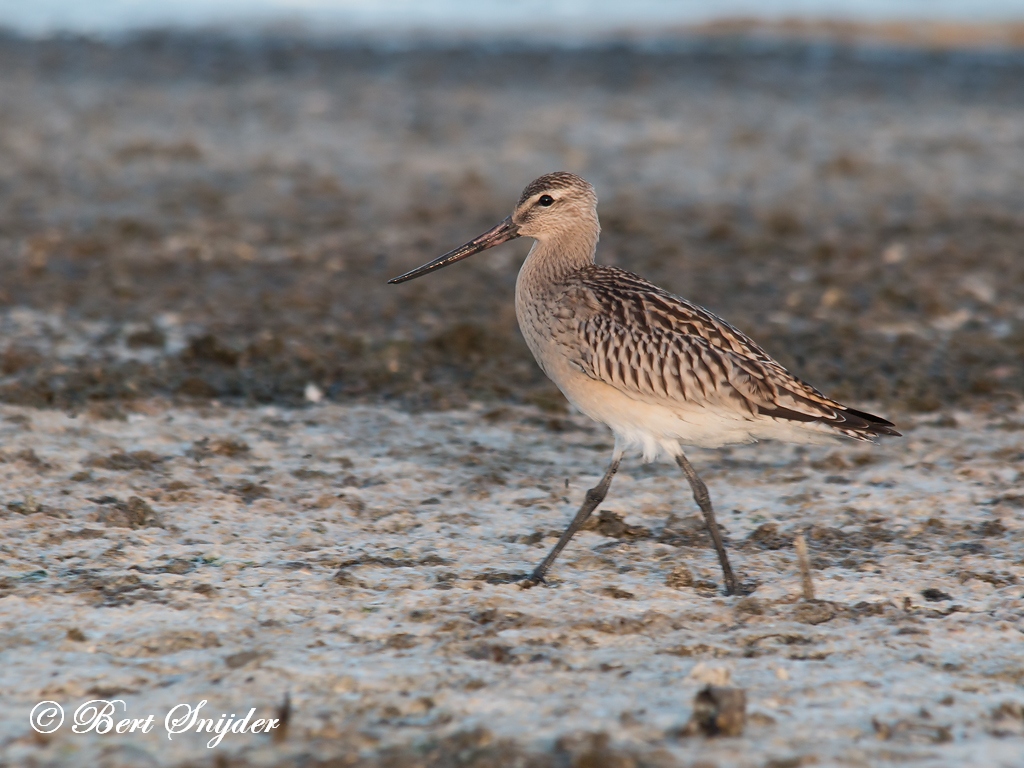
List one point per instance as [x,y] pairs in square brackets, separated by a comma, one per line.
[659,371]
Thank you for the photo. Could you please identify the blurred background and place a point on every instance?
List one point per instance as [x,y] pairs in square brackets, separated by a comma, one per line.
[204,200]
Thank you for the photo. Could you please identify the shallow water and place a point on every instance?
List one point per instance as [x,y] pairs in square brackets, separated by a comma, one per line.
[396,17]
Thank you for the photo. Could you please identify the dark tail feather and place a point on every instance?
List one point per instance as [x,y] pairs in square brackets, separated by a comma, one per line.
[872,425]
[850,422]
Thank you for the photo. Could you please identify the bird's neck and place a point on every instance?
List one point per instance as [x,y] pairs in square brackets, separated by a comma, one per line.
[557,257]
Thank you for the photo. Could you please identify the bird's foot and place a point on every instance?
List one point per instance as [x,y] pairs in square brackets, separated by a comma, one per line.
[741,589]
[532,581]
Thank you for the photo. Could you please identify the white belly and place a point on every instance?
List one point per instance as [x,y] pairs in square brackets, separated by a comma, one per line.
[658,430]
[654,429]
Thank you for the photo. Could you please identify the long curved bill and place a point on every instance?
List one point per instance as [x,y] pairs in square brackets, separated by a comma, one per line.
[502,233]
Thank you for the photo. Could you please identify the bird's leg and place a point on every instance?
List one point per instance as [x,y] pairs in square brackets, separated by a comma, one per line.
[703,499]
[594,497]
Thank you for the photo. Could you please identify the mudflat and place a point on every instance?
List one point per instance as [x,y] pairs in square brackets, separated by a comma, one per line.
[197,217]
[238,467]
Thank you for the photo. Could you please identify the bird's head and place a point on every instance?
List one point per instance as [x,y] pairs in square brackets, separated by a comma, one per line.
[554,206]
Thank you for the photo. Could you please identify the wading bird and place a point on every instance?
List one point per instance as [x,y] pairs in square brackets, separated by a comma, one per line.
[659,371]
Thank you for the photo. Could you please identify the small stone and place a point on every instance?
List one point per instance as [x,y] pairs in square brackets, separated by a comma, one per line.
[618,594]
[992,528]
[680,577]
[105,411]
[717,711]
[135,513]
[817,612]
[402,641]
[768,536]
[237,660]
[760,719]
[120,461]
[611,524]
[913,731]
[1009,710]
[283,715]
[894,253]
[228,446]
[313,393]
[1008,720]
[30,506]
[706,588]
[346,579]
[148,337]
[590,749]
[788,762]
[140,514]
[750,605]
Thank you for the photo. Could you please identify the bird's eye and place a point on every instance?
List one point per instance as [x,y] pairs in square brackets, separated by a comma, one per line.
[546,200]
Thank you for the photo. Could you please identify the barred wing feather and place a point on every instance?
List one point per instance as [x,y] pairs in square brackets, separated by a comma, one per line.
[649,343]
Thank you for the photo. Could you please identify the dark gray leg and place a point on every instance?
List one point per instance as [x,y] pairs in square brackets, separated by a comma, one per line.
[700,495]
[594,497]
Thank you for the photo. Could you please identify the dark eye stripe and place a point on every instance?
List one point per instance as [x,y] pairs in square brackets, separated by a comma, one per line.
[546,200]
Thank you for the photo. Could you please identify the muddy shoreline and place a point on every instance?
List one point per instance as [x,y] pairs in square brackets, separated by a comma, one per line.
[358,559]
[200,218]
[195,235]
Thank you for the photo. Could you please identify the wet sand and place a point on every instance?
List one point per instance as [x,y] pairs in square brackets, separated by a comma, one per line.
[358,559]
[194,230]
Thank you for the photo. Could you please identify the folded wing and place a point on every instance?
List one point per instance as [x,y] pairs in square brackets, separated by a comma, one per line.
[649,343]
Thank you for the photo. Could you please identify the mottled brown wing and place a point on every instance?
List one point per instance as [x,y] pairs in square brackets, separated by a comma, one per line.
[643,340]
